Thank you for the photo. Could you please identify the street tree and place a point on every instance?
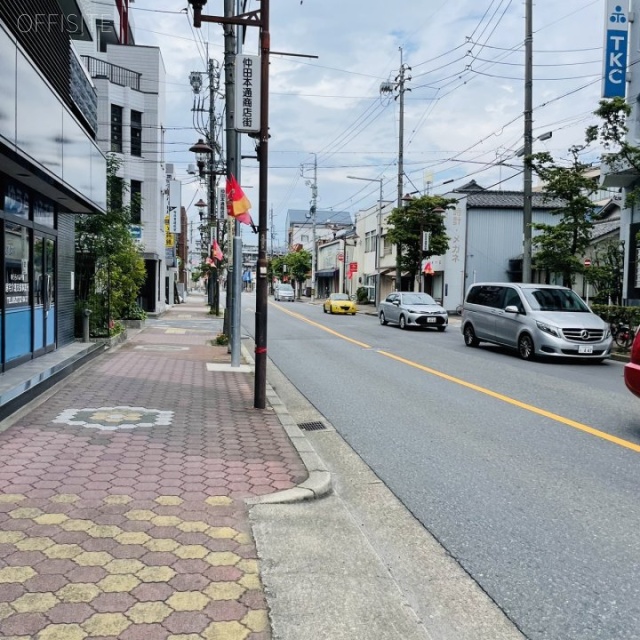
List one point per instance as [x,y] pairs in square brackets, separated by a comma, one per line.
[298,265]
[560,246]
[110,269]
[606,273]
[407,225]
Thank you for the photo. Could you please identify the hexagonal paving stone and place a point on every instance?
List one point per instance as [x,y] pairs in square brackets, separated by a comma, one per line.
[140,514]
[248,565]
[93,558]
[125,565]
[11,537]
[161,544]
[62,551]
[120,499]
[133,537]
[225,631]
[78,592]
[64,498]
[10,498]
[224,590]
[219,501]
[34,544]
[103,531]
[188,601]
[193,526]
[257,620]
[169,500]
[51,518]
[74,524]
[219,558]
[166,521]
[25,512]
[106,624]
[118,583]
[16,574]
[62,632]
[156,574]
[35,603]
[250,581]
[221,532]
[149,612]
[191,551]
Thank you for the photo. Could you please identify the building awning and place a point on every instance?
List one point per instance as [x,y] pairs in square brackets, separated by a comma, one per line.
[326,273]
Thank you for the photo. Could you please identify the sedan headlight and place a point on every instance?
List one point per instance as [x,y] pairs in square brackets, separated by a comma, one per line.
[607,332]
[552,331]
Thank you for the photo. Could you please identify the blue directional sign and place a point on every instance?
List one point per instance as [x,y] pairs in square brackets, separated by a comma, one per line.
[615,50]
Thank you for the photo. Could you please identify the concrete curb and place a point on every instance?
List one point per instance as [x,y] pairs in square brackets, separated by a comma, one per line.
[318,484]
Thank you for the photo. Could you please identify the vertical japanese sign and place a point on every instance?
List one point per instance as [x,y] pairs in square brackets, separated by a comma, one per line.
[175,202]
[616,38]
[247,77]
[221,207]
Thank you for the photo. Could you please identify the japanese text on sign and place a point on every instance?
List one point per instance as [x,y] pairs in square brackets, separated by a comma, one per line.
[247,105]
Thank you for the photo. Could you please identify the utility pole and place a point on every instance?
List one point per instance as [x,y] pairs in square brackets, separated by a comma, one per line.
[312,211]
[527,216]
[399,86]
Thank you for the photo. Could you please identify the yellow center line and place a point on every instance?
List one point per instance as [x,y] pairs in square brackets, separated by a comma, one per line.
[474,387]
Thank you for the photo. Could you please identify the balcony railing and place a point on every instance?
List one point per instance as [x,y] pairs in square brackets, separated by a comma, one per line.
[112,72]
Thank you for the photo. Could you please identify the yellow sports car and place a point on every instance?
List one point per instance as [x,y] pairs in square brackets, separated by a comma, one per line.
[339,303]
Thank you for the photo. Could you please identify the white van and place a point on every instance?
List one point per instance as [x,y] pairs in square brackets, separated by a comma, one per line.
[534,319]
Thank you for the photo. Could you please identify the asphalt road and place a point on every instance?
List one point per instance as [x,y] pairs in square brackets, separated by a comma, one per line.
[526,472]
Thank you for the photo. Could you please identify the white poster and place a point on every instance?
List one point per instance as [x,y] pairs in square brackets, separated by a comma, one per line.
[175,203]
[247,76]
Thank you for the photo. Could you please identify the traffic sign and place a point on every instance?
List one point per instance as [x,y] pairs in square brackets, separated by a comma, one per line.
[587,262]
[340,256]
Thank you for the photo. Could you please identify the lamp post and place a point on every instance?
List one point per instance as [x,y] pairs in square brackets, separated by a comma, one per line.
[378,234]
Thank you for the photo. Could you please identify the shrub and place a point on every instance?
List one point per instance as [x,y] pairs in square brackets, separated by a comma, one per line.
[362,295]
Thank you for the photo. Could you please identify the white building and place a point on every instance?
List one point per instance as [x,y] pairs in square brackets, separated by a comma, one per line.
[130,81]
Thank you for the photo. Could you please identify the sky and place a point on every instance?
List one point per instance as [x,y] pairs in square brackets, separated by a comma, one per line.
[463,112]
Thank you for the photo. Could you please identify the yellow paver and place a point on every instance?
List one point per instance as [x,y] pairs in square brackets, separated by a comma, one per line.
[257,620]
[76,525]
[35,602]
[133,537]
[104,531]
[125,566]
[169,501]
[93,559]
[250,581]
[225,631]
[120,499]
[191,551]
[51,518]
[106,624]
[11,537]
[188,601]
[65,498]
[118,584]
[25,512]
[193,526]
[61,551]
[33,544]
[222,558]
[161,544]
[140,514]
[248,566]
[16,574]
[222,532]
[149,612]
[78,592]
[11,497]
[156,574]
[166,521]
[224,590]
[62,632]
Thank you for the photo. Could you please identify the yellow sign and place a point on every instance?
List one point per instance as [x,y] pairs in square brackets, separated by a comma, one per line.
[169,238]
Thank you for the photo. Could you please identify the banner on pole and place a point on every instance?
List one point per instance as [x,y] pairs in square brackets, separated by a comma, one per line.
[247,102]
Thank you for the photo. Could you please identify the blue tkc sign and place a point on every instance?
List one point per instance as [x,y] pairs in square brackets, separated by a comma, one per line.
[615,50]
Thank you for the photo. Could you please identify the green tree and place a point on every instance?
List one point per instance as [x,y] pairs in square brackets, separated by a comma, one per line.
[561,246]
[298,267]
[407,225]
[606,273]
[110,268]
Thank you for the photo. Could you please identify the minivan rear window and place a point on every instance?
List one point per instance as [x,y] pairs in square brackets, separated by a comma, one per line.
[555,300]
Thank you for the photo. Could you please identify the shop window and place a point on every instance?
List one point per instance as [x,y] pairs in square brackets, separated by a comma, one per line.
[44,213]
[16,201]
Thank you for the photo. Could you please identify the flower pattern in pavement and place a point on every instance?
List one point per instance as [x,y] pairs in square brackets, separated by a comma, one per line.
[113,418]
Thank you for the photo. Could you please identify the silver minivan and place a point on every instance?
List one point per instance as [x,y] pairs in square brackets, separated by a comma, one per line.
[534,319]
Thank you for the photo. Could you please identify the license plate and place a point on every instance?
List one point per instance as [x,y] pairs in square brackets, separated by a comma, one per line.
[431,319]
[585,349]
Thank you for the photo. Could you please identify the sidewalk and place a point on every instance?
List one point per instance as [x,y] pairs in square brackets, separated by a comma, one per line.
[122,494]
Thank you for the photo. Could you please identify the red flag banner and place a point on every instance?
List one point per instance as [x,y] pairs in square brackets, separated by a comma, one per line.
[428,269]
[217,251]
[238,204]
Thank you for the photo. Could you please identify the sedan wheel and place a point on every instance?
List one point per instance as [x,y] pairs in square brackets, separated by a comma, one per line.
[402,322]
[470,337]
[383,320]
[324,308]
[525,347]
[441,329]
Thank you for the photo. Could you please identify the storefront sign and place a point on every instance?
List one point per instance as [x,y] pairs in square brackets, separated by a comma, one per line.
[247,77]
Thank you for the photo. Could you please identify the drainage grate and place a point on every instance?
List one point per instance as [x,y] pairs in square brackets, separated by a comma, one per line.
[312,426]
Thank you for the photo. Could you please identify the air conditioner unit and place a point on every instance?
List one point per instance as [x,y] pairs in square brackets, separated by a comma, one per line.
[169,169]
[192,170]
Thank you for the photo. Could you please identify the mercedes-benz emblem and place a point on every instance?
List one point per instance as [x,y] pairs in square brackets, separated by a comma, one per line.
[584,334]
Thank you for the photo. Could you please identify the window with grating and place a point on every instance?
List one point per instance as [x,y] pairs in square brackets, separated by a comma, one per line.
[116,128]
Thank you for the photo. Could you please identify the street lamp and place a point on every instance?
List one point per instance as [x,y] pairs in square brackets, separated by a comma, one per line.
[378,234]
[203,155]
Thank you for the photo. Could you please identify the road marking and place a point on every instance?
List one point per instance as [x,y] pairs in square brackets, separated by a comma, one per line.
[474,387]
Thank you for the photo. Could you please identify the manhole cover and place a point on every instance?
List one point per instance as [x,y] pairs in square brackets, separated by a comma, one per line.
[312,426]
